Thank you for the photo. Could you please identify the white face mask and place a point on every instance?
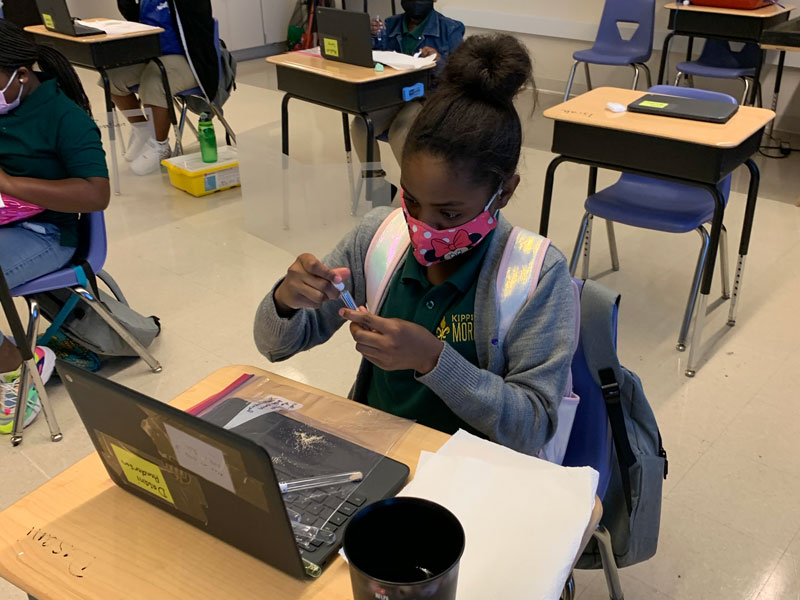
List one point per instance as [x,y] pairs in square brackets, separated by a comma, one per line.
[6,106]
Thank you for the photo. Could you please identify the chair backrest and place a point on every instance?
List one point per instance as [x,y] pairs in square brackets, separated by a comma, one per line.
[590,442]
[698,94]
[92,242]
[718,53]
[639,12]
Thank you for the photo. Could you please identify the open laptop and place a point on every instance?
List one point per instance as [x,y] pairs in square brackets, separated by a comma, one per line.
[345,36]
[684,108]
[220,481]
[55,16]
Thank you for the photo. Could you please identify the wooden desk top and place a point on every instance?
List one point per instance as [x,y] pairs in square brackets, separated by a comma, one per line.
[757,13]
[590,109]
[79,536]
[330,68]
[780,48]
[90,39]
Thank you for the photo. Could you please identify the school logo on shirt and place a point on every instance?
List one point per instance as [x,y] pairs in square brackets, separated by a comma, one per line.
[460,329]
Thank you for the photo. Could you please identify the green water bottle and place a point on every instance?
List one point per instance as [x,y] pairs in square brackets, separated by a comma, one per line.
[208,139]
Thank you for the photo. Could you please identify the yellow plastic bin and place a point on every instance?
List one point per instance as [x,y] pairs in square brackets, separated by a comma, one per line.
[190,174]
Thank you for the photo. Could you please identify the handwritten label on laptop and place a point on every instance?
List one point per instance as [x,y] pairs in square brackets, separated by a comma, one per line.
[254,410]
[143,473]
[331,47]
[200,458]
[652,104]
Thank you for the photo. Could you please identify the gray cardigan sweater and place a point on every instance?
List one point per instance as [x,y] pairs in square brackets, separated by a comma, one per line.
[513,396]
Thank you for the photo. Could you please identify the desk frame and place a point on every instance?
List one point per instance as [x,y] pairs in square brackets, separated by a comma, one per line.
[721,26]
[640,154]
[106,54]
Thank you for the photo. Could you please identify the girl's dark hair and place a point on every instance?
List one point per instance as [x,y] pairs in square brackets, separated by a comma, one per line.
[470,119]
[17,50]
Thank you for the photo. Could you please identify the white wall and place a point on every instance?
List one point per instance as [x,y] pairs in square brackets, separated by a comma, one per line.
[554,30]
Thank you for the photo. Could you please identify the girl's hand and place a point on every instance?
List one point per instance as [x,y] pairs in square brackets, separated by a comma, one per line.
[393,344]
[427,51]
[308,284]
[375,25]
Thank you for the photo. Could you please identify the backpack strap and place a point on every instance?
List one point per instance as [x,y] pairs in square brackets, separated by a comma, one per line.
[66,309]
[386,250]
[517,277]
[599,333]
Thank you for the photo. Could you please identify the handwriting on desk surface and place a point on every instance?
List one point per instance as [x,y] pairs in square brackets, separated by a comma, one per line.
[581,113]
[75,560]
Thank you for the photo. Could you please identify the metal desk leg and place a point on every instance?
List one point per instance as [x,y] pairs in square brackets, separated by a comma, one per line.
[708,276]
[370,193]
[547,197]
[756,79]
[285,157]
[778,77]
[744,244]
[348,148]
[170,107]
[112,134]
[664,55]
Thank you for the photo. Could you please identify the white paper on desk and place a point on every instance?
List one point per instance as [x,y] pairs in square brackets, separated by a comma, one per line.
[116,27]
[401,62]
[524,518]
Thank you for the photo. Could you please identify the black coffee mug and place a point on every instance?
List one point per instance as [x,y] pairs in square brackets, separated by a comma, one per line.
[404,549]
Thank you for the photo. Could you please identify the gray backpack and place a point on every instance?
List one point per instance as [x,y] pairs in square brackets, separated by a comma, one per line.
[632,503]
[83,325]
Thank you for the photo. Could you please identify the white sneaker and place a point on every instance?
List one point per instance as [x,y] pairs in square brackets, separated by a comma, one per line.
[140,133]
[150,158]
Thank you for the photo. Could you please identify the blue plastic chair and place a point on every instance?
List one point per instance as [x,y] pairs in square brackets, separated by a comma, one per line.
[92,248]
[590,445]
[719,61]
[181,99]
[660,205]
[611,49]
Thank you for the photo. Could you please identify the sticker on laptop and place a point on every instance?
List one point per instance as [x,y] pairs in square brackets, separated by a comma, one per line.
[331,47]
[200,458]
[653,104]
[255,409]
[48,21]
[142,473]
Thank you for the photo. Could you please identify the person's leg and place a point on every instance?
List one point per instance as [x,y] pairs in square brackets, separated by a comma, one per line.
[10,358]
[121,81]
[151,91]
[382,120]
[401,126]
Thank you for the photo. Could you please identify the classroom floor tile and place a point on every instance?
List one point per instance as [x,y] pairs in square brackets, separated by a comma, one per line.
[730,525]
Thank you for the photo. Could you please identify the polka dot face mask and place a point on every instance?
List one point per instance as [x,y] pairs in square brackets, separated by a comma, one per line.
[438,245]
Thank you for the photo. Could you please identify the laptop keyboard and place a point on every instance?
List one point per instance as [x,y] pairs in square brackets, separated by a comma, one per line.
[327,508]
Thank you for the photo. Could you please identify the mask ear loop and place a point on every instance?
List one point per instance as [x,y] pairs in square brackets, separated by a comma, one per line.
[10,79]
[494,197]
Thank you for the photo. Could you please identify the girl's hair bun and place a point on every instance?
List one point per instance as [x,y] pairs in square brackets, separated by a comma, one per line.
[491,68]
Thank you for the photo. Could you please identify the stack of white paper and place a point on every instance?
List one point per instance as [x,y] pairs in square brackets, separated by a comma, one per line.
[524,518]
[401,62]
[115,27]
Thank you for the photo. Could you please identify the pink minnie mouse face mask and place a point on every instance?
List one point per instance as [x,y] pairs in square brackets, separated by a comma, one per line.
[438,245]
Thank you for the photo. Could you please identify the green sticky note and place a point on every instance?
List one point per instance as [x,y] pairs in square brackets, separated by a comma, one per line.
[331,47]
[48,21]
[652,104]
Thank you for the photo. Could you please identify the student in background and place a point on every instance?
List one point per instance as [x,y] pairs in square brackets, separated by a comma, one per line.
[51,156]
[418,29]
[188,55]
[459,170]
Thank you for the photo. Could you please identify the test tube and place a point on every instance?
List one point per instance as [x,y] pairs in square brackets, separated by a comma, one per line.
[346,297]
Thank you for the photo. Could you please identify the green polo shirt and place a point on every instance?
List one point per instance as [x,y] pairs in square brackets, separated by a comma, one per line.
[446,310]
[412,38]
[50,137]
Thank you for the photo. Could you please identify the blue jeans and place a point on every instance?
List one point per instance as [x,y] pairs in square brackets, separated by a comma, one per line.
[26,254]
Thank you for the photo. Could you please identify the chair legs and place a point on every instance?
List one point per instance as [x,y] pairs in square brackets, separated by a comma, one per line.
[746,93]
[588,76]
[693,292]
[723,264]
[647,75]
[30,374]
[584,242]
[635,76]
[228,130]
[569,589]
[570,80]
[102,311]
[603,539]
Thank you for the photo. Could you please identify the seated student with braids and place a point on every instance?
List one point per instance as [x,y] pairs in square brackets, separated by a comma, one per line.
[51,156]
[459,171]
